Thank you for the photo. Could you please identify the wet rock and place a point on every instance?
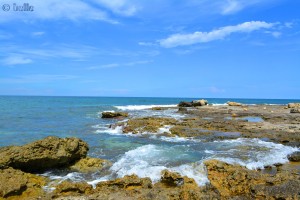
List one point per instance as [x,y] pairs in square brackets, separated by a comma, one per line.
[172,179]
[231,103]
[201,102]
[185,104]
[182,109]
[67,188]
[156,108]
[294,105]
[294,157]
[295,110]
[237,181]
[49,153]
[128,182]
[146,124]
[114,114]
[90,165]
[19,185]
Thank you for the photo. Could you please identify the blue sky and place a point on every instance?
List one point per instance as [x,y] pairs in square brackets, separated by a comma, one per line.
[162,48]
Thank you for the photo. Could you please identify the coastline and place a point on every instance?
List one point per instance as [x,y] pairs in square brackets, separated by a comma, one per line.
[270,123]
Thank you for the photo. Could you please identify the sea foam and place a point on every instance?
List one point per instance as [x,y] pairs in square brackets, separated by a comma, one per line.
[143,107]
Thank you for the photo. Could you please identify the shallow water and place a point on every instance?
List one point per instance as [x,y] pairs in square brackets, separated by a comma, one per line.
[25,119]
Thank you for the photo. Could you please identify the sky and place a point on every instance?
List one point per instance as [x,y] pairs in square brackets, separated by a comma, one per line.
[157,48]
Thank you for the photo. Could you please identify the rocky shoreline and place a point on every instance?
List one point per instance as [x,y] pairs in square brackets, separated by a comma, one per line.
[19,165]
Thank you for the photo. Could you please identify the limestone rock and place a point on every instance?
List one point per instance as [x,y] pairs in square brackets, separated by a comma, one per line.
[156,108]
[201,102]
[237,181]
[294,157]
[90,165]
[48,153]
[295,110]
[231,103]
[294,105]
[19,185]
[147,124]
[67,188]
[114,114]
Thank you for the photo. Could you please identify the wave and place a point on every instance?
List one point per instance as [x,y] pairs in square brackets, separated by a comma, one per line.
[143,107]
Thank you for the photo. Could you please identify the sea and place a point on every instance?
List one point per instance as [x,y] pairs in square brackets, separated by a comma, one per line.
[24,119]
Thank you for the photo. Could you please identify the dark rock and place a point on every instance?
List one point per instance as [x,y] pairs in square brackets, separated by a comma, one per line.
[114,114]
[182,109]
[185,104]
[295,110]
[51,152]
[294,157]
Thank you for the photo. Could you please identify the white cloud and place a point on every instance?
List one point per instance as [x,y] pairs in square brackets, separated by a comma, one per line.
[218,34]
[16,60]
[149,44]
[234,6]
[40,33]
[122,7]
[36,78]
[128,64]
[56,9]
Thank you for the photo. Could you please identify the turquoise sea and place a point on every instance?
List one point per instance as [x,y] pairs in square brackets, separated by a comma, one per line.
[25,119]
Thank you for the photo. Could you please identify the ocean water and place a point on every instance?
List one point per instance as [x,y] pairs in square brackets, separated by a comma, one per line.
[25,119]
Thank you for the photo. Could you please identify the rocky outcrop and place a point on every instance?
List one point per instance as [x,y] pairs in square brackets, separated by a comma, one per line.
[194,103]
[90,165]
[15,184]
[235,181]
[231,103]
[294,157]
[114,115]
[146,124]
[201,102]
[49,153]
[295,110]
[67,188]
[294,105]
[185,104]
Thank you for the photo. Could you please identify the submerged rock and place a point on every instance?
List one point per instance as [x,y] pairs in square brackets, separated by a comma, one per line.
[90,165]
[48,153]
[19,185]
[231,103]
[114,114]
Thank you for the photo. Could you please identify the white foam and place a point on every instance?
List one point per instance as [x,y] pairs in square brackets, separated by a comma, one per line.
[164,129]
[143,107]
[195,171]
[118,130]
[95,182]
[219,104]
[271,154]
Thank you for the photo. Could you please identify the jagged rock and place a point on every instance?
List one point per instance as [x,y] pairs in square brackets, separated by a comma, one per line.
[295,110]
[294,105]
[171,178]
[19,185]
[128,182]
[67,188]
[237,181]
[51,152]
[201,102]
[114,114]
[294,157]
[146,124]
[230,103]
[90,165]
[185,104]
